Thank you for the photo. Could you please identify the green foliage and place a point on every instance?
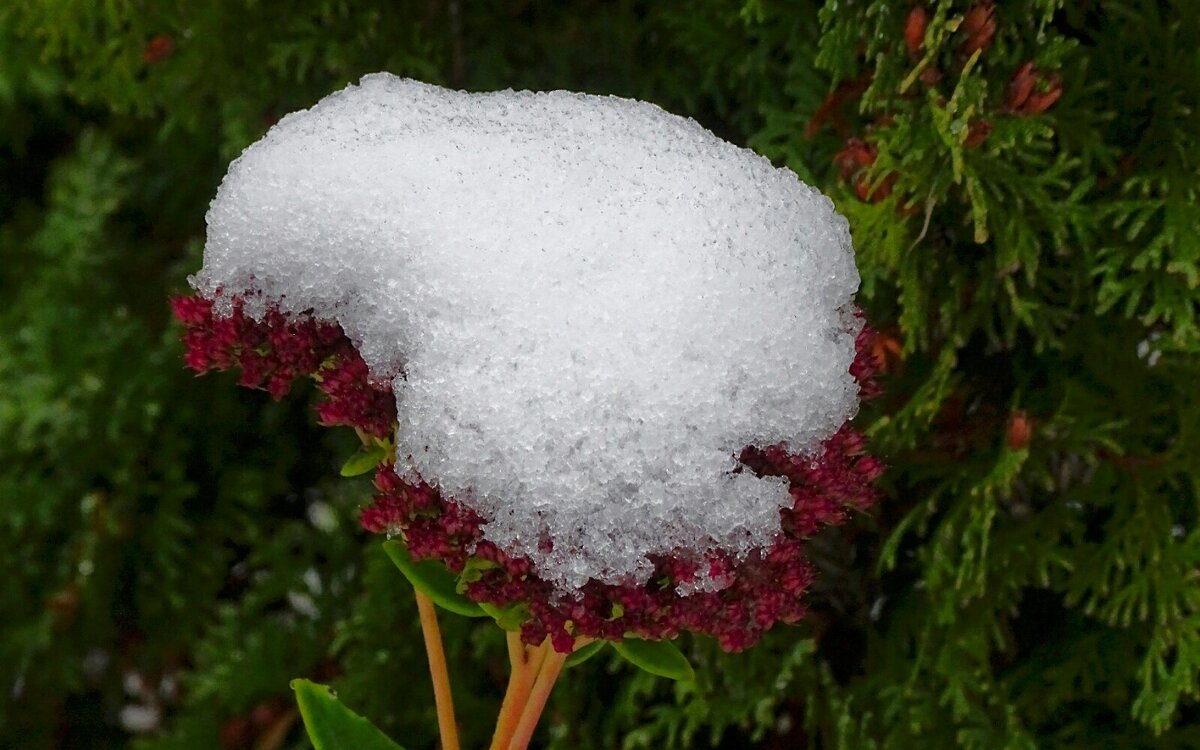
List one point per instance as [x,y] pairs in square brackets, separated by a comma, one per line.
[177,549]
[659,658]
[1041,274]
[363,460]
[431,578]
[580,655]
[332,726]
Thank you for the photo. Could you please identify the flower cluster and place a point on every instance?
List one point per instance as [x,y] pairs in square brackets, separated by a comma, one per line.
[734,601]
[272,352]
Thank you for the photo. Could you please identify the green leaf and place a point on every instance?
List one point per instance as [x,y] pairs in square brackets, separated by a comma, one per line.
[656,657]
[511,617]
[363,461]
[332,726]
[472,572]
[432,578]
[585,653]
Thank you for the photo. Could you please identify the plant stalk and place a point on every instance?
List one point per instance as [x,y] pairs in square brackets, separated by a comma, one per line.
[447,727]
[551,667]
[526,661]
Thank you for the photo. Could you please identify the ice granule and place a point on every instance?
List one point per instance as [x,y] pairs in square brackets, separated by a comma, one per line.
[587,306]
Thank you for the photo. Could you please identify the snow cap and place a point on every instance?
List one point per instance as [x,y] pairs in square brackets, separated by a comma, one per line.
[586,306]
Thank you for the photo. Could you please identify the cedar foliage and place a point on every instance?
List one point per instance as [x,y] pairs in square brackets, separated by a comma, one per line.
[176,550]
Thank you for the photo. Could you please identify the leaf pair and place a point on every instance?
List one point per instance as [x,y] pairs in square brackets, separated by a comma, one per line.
[432,578]
[332,726]
[659,658]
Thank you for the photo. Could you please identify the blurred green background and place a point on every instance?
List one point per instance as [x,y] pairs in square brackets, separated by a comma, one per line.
[174,550]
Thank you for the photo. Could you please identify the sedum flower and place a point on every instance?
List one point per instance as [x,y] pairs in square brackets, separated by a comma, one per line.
[764,588]
[611,357]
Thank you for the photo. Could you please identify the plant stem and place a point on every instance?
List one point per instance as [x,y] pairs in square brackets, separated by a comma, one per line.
[526,662]
[447,726]
[551,666]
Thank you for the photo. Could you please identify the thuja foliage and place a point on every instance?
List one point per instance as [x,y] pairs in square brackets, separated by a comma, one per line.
[1021,182]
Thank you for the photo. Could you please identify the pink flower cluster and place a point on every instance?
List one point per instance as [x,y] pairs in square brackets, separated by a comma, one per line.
[271,353]
[754,594]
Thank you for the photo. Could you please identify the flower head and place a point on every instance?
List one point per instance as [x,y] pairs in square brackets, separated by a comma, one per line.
[732,600]
[612,355]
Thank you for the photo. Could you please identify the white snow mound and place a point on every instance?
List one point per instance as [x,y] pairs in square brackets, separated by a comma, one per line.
[587,306]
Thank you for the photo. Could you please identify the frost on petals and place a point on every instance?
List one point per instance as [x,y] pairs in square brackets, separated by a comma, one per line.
[585,306]
[752,595]
[570,315]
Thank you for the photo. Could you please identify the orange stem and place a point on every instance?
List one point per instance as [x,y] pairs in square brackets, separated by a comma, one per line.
[526,662]
[551,666]
[447,726]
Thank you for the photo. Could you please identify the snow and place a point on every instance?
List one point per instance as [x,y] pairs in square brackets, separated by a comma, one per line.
[587,306]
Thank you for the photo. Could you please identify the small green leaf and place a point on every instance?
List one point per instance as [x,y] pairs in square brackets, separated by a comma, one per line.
[473,571]
[332,726]
[364,460]
[431,578]
[585,653]
[509,618]
[656,657]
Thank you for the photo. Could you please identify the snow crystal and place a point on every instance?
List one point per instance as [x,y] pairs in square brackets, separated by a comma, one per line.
[587,306]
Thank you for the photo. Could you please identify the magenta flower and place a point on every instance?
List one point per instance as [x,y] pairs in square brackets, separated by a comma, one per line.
[605,360]
[765,588]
